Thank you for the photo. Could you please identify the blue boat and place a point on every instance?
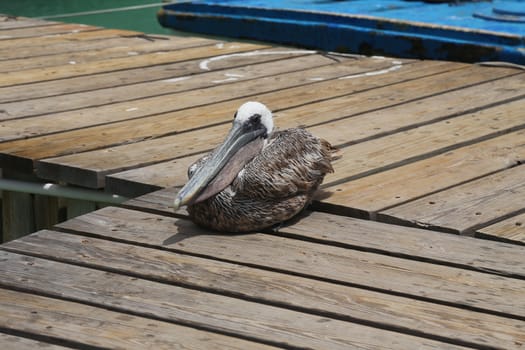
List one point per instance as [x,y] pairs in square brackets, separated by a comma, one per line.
[468,31]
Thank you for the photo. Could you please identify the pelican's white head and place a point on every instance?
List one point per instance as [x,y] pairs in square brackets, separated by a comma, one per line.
[250,132]
[254,113]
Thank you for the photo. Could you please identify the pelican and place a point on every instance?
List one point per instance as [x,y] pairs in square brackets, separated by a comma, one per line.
[256,178]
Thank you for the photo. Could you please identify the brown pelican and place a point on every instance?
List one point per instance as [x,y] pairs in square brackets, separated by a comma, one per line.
[256,178]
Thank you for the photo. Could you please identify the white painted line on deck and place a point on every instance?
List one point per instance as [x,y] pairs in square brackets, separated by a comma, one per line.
[204,65]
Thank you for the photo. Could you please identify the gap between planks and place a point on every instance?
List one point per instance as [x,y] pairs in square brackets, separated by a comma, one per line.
[360,127]
[57,320]
[338,302]
[211,312]
[210,112]
[303,258]
[215,113]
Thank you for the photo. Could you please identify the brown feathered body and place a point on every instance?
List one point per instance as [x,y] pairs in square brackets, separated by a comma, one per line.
[273,187]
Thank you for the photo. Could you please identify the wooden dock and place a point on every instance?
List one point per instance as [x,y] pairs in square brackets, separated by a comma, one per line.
[429,148]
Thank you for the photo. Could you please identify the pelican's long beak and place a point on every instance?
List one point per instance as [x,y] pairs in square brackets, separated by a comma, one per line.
[225,162]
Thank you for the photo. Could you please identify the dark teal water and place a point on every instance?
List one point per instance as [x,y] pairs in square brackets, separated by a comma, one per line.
[140,19]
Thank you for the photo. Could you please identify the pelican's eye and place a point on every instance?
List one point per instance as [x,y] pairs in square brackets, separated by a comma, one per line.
[255,119]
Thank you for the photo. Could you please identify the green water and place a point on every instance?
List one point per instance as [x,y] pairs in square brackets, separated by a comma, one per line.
[140,19]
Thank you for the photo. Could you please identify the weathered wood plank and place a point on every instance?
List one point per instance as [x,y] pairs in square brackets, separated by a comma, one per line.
[407,315]
[205,310]
[60,28]
[11,342]
[78,324]
[394,150]
[187,67]
[132,131]
[379,154]
[158,202]
[117,41]
[161,103]
[217,79]
[340,265]
[413,243]
[368,195]
[142,180]
[200,140]
[464,208]
[13,22]
[51,73]
[363,126]
[126,47]
[512,229]
[17,215]
[74,37]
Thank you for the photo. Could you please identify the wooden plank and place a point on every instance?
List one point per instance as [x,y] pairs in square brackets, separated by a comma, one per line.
[398,149]
[209,311]
[188,66]
[329,263]
[181,120]
[158,202]
[75,37]
[126,47]
[142,180]
[368,195]
[363,126]
[132,131]
[134,92]
[15,342]
[379,153]
[51,73]
[81,325]
[17,215]
[414,243]
[512,229]
[311,296]
[161,102]
[13,22]
[117,40]
[60,28]
[408,242]
[199,139]
[464,208]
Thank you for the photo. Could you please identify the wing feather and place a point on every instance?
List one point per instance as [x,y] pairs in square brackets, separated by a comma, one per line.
[294,163]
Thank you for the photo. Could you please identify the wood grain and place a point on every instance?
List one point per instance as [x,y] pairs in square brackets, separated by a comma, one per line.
[413,243]
[209,311]
[74,36]
[371,194]
[81,324]
[267,287]
[132,131]
[118,40]
[200,140]
[15,342]
[464,208]
[13,22]
[512,229]
[61,72]
[95,51]
[331,263]
[100,97]
[60,28]
[125,77]
[398,149]
[360,127]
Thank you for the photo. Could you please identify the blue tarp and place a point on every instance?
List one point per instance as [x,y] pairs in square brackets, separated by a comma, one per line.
[457,30]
